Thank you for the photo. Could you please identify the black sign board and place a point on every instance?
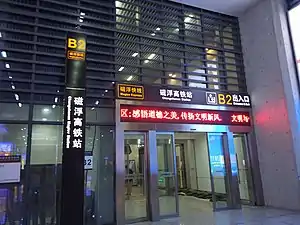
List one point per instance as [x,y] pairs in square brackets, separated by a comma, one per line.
[192,96]
[72,198]
[129,91]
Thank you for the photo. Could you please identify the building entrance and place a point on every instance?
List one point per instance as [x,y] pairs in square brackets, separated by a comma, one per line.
[179,173]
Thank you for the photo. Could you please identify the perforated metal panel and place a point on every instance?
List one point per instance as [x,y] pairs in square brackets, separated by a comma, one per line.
[137,41]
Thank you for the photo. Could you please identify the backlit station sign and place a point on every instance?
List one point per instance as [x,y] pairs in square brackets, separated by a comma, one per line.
[183,96]
[128,91]
[150,114]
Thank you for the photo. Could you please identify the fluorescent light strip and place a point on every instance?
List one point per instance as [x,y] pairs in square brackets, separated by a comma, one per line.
[135,54]
[129,78]
[121,68]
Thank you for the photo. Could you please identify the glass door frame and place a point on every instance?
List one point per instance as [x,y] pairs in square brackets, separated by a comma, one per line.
[230,180]
[246,152]
[175,174]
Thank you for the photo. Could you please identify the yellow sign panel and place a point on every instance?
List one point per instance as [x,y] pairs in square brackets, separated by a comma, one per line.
[75,55]
[129,91]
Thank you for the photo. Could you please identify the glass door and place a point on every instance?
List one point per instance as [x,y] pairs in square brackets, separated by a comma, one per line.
[244,173]
[136,201]
[219,176]
[167,175]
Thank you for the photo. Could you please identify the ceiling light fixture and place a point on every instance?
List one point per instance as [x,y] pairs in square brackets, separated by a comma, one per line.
[53,106]
[56,99]
[13,87]
[44,119]
[151,56]
[121,68]
[81,20]
[146,61]
[10,77]
[4,54]
[153,34]
[20,104]
[106,91]
[129,78]
[158,29]
[97,102]
[135,54]
[7,66]
[46,110]
[17,97]
[82,14]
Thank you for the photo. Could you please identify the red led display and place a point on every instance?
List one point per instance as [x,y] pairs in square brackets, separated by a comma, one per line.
[131,113]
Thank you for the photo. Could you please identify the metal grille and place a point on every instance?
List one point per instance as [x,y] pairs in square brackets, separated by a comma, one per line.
[137,41]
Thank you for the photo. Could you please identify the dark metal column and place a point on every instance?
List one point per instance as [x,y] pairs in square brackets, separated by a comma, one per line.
[72,198]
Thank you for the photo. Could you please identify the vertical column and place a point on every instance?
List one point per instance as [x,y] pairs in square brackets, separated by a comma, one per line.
[72,196]
[273,86]
[153,177]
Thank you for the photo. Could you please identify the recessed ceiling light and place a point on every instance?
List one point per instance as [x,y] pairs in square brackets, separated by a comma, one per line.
[113,82]
[151,56]
[135,54]
[10,77]
[4,54]
[158,28]
[46,110]
[13,87]
[20,104]
[106,90]
[7,66]
[81,20]
[44,119]
[146,61]
[153,34]
[129,78]
[56,99]
[17,97]
[53,106]
[82,14]
[121,68]
[97,102]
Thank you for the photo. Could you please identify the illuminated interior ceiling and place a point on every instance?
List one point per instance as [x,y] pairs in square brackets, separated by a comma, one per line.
[229,7]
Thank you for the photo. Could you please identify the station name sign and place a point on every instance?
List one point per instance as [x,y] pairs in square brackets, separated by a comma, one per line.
[151,114]
[184,96]
[128,91]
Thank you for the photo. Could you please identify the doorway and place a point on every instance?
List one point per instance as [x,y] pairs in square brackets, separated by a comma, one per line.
[163,176]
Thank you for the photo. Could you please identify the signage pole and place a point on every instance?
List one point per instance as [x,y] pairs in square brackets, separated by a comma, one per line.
[72,188]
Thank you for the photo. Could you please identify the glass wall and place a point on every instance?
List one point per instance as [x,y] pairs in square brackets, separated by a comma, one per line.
[294,16]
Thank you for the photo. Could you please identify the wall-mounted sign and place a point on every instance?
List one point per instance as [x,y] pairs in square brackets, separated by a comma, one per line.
[151,114]
[10,169]
[185,96]
[128,91]
[228,99]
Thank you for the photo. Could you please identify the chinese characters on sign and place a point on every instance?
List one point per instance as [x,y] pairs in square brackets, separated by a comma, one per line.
[75,117]
[130,113]
[176,95]
[130,91]
[213,98]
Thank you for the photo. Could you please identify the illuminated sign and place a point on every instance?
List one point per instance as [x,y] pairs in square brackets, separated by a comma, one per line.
[176,95]
[150,114]
[181,95]
[214,98]
[129,91]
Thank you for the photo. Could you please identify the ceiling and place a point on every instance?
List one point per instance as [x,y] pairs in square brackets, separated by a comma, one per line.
[229,7]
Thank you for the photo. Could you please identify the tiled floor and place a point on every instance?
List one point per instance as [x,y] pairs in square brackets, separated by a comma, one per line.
[200,214]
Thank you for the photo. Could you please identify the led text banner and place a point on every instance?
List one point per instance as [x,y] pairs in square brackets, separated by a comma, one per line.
[184,96]
[74,131]
[149,114]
